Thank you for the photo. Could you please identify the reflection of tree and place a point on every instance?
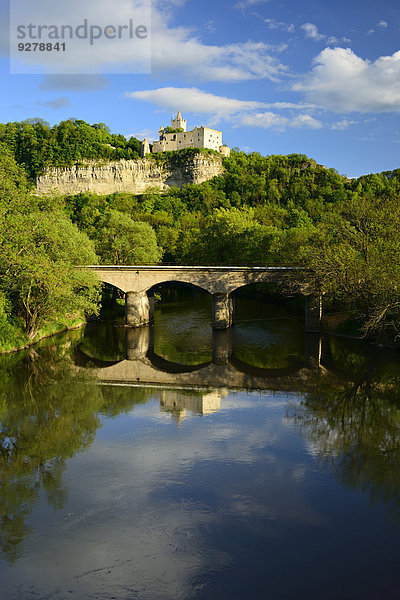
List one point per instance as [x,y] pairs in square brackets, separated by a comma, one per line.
[354,426]
[46,417]
[117,400]
[105,341]
[276,356]
[48,412]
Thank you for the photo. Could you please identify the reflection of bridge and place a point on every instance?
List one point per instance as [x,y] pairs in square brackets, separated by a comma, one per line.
[178,403]
[142,366]
[221,282]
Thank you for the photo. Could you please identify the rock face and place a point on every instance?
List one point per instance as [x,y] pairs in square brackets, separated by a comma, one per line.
[132,176]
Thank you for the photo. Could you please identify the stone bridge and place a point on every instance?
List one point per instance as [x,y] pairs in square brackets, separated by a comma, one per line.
[138,282]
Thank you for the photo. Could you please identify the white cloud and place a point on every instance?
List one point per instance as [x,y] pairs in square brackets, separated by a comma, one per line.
[89,51]
[265,120]
[274,24]
[211,26]
[306,121]
[342,81]
[243,4]
[343,124]
[382,23]
[311,31]
[241,113]
[178,51]
[269,120]
[175,50]
[194,100]
[198,101]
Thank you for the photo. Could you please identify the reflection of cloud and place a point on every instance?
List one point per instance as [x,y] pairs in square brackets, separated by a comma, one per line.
[136,525]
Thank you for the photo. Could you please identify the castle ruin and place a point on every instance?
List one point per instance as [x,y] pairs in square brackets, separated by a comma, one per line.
[179,138]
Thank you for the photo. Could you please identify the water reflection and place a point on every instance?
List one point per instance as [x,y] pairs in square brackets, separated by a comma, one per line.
[351,420]
[49,411]
[228,461]
[179,403]
[226,369]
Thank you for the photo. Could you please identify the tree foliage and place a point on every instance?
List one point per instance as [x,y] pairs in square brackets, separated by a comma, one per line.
[36,145]
[282,210]
[121,241]
[39,250]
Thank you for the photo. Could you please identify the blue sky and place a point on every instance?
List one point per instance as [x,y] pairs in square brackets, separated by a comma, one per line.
[277,76]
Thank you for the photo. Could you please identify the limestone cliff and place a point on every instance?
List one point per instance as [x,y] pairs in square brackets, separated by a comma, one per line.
[133,176]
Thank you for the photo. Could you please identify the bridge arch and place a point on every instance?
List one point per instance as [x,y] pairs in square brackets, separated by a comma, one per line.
[180,281]
[221,282]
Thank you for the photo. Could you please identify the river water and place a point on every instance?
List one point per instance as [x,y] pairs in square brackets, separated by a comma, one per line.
[174,463]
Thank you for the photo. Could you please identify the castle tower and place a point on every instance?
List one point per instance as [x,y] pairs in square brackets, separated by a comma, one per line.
[179,122]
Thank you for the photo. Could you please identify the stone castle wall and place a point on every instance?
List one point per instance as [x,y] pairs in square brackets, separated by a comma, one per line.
[131,176]
[200,137]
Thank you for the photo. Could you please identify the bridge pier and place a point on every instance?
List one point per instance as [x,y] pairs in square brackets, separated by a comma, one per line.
[313,313]
[138,341]
[222,347]
[223,311]
[139,309]
[312,351]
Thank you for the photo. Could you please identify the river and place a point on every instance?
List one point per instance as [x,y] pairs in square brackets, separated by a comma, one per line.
[173,463]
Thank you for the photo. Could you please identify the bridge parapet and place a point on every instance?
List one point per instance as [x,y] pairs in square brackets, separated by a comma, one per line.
[215,280]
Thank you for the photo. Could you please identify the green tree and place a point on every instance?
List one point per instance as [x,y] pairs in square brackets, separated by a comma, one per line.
[231,236]
[122,241]
[355,261]
[39,252]
[39,249]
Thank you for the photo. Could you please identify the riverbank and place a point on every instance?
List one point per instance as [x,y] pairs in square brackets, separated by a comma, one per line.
[21,341]
[337,324]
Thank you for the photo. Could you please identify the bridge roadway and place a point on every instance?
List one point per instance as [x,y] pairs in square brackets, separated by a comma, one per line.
[138,283]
